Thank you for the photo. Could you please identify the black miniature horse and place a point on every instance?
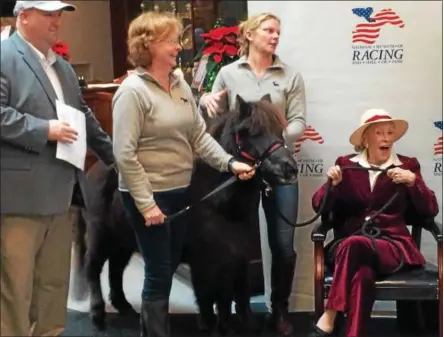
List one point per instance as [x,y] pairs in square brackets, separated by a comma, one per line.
[217,243]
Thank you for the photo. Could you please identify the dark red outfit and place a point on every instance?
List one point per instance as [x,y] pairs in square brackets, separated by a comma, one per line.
[352,288]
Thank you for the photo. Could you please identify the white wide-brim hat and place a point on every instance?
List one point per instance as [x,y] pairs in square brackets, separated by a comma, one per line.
[374,116]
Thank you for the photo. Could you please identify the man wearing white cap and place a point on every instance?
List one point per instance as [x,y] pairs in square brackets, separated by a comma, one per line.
[38,189]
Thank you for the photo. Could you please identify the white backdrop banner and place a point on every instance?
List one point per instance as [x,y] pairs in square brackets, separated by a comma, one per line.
[356,55]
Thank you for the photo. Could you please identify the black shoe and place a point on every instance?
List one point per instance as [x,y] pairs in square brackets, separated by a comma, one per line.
[317,332]
[154,319]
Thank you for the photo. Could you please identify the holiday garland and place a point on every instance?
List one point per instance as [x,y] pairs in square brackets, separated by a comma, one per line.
[221,46]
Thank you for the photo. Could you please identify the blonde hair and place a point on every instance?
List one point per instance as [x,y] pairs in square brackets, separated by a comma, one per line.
[250,25]
[148,27]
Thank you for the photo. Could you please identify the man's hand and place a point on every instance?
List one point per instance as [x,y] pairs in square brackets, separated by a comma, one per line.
[212,102]
[61,132]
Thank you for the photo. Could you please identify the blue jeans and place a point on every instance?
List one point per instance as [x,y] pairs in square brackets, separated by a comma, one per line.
[280,235]
[160,245]
[283,199]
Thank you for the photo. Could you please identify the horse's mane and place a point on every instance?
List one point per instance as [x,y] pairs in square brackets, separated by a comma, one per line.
[263,118]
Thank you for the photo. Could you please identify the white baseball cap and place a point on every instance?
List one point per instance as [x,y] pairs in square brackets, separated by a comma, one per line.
[47,6]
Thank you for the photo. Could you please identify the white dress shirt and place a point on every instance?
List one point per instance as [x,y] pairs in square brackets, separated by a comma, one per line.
[47,63]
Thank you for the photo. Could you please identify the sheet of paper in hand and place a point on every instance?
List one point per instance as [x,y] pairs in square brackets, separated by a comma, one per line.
[75,152]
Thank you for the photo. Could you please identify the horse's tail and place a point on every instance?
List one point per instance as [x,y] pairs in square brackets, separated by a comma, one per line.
[110,187]
[79,280]
[103,182]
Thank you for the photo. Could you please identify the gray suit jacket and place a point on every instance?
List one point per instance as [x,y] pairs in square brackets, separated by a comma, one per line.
[33,181]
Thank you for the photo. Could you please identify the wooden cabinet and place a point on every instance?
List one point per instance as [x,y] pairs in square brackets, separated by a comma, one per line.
[99,100]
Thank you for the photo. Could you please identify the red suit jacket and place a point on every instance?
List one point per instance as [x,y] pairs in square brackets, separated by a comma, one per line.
[352,200]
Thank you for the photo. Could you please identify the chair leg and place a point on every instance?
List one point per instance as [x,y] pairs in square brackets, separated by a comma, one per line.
[440,312]
[432,316]
[409,316]
[319,279]
[440,287]
[419,316]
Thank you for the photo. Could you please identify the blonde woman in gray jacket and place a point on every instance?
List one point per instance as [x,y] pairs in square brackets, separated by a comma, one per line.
[157,130]
[259,71]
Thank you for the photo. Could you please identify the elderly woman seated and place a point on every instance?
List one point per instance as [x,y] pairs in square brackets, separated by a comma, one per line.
[355,195]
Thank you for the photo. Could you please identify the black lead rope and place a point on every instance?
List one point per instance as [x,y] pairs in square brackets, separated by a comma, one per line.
[368,229]
[225,184]
[325,197]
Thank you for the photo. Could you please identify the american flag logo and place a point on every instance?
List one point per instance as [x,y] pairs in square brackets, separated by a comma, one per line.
[368,32]
[311,134]
[438,144]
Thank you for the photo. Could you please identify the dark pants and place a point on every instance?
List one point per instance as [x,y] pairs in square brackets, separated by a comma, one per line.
[160,245]
[283,199]
[353,286]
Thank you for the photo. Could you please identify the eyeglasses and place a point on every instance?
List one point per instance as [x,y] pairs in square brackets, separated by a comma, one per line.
[171,41]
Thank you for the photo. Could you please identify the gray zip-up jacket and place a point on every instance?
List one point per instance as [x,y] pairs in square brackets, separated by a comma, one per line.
[155,137]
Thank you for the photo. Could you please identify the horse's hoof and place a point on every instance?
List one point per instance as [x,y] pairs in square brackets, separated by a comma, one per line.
[206,327]
[128,312]
[248,325]
[223,329]
[99,322]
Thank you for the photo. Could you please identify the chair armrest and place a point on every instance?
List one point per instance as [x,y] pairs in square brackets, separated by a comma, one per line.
[320,230]
[433,227]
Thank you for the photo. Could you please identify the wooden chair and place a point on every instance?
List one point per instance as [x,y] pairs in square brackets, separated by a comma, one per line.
[418,293]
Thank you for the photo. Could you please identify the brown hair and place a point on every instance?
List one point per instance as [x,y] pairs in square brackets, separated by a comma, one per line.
[250,25]
[148,27]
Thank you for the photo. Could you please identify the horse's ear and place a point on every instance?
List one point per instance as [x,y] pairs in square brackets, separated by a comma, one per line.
[267,98]
[244,107]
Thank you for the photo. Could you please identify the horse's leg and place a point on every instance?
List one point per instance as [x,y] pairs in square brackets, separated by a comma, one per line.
[204,291]
[225,295]
[96,256]
[118,260]
[242,298]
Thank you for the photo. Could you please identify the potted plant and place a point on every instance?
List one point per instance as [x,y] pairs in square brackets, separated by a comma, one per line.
[61,48]
[220,48]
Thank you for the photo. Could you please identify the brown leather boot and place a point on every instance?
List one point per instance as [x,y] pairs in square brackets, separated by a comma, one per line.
[154,319]
[282,273]
[281,323]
